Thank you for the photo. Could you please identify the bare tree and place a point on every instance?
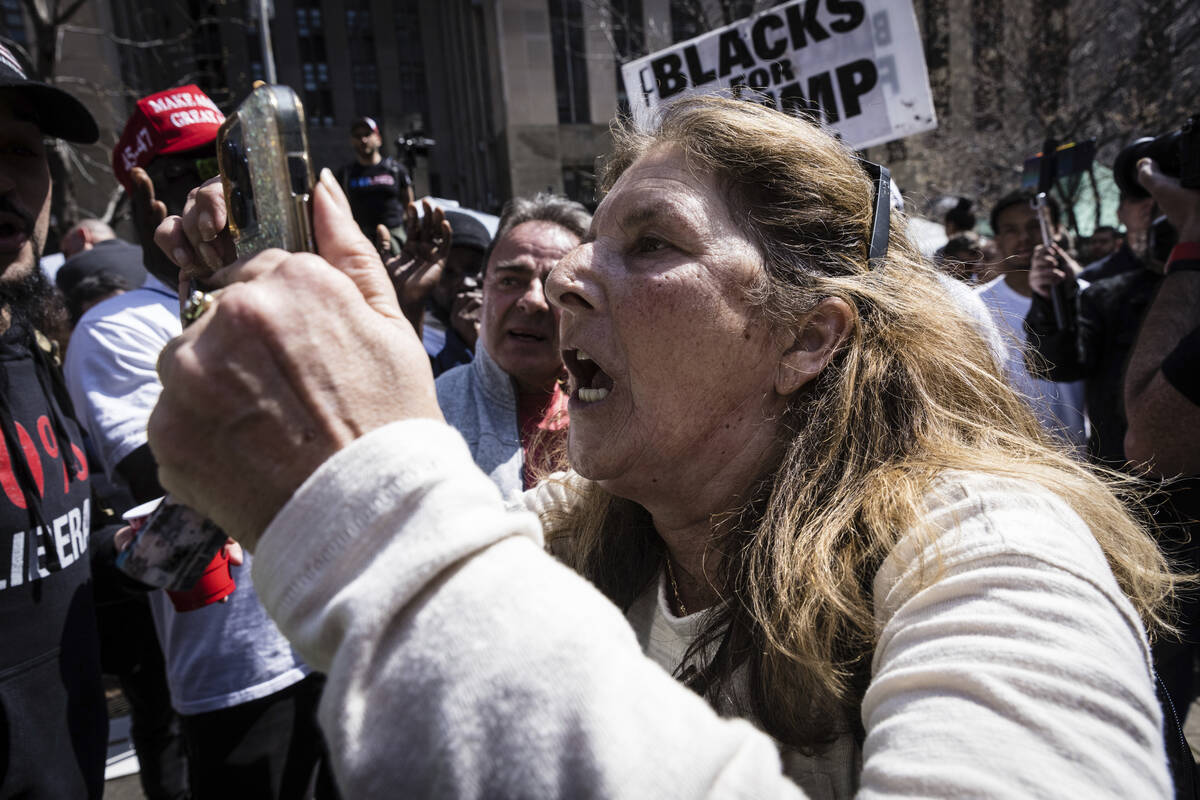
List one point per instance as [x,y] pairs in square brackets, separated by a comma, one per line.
[158,45]
[1068,69]
[46,17]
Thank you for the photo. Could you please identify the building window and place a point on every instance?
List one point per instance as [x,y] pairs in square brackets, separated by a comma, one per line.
[629,37]
[364,71]
[254,55]
[570,62]
[208,52]
[579,184]
[413,99]
[12,22]
[314,67]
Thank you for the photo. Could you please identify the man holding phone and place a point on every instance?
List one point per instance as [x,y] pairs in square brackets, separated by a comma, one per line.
[1107,302]
[1059,407]
[246,702]
[1098,345]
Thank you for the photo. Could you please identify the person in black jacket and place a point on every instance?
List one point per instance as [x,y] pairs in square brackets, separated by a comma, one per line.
[53,722]
[1135,214]
[1095,345]
[379,187]
[1102,323]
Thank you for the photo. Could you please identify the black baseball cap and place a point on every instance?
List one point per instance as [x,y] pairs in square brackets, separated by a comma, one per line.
[468,231]
[57,113]
[364,122]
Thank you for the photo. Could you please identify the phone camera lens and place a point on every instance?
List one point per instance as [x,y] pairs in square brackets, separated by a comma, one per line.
[237,211]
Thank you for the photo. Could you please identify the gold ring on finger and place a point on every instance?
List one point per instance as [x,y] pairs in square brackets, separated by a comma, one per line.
[197,303]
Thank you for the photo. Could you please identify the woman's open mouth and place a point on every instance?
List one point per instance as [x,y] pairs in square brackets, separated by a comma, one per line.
[592,384]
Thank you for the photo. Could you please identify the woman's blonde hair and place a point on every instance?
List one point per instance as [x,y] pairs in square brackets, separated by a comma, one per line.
[913,391]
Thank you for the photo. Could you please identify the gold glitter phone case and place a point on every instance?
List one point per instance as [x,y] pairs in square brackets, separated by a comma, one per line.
[262,149]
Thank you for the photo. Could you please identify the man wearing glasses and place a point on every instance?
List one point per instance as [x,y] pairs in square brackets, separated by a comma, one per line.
[245,701]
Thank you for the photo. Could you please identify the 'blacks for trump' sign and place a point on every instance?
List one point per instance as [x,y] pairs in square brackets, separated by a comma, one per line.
[857,65]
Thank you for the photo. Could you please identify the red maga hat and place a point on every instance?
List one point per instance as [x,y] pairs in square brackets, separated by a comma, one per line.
[173,121]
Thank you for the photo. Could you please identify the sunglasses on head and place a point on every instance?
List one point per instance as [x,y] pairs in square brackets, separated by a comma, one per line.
[881,212]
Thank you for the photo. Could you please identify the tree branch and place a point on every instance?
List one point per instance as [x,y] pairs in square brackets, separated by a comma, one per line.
[69,12]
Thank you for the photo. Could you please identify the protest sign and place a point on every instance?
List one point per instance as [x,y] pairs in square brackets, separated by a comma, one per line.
[857,65]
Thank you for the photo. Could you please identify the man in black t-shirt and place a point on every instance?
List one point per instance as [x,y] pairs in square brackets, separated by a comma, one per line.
[379,188]
[53,721]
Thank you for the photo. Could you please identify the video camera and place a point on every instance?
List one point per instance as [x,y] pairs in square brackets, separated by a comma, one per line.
[1177,154]
[412,144]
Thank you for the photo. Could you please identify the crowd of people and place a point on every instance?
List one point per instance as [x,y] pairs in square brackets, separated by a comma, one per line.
[723,489]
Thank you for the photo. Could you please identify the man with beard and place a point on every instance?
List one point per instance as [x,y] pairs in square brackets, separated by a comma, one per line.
[53,722]
[378,186]
[507,400]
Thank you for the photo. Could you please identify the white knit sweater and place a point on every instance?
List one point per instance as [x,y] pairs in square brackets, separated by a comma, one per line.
[465,662]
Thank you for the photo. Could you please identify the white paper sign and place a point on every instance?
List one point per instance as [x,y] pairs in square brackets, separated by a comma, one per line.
[857,65]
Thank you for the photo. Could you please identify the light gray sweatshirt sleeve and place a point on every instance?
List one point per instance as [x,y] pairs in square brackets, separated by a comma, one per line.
[464,662]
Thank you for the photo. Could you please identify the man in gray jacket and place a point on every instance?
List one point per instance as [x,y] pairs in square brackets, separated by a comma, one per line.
[508,403]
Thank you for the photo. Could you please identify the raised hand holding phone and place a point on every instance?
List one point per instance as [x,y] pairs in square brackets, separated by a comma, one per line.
[265,202]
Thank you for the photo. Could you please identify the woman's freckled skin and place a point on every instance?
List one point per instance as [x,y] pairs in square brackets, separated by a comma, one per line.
[656,298]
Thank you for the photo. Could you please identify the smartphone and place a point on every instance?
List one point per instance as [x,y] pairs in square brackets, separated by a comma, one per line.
[262,151]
